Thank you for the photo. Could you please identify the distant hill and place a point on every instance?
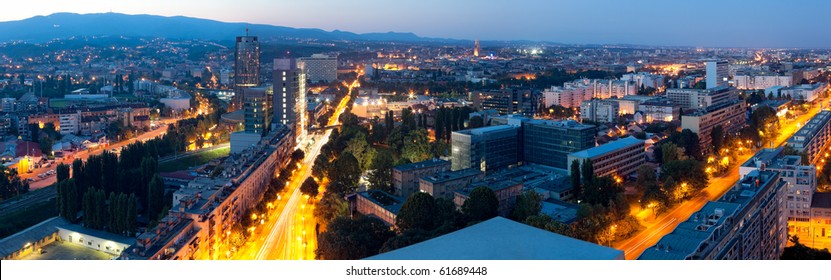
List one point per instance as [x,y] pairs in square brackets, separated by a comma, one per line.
[63,25]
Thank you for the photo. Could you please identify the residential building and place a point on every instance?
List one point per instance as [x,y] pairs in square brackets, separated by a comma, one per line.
[405,177]
[819,234]
[802,184]
[206,208]
[812,139]
[761,80]
[599,111]
[444,184]
[246,66]
[659,109]
[486,148]
[617,158]
[747,223]
[730,116]
[379,204]
[290,95]
[502,239]
[807,92]
[320,68]
[645,80]
[70,122]
[717,74]
[689,98]
[508,101]
[7,104]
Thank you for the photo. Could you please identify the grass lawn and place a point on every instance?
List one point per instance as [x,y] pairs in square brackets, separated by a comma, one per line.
[57,103]
[193,160]
[24,218]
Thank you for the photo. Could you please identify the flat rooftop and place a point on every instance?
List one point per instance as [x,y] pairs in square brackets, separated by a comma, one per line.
[608,147]
[806,133]
[446,176]
[389,202]
[421,164]
[60,250]
[502,239]
[17,241]
[689,235]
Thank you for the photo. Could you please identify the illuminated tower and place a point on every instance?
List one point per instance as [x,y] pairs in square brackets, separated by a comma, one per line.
[246,67]
[290,95]
[476,48]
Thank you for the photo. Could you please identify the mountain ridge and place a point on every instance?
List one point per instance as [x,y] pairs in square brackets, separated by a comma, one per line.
[39,29]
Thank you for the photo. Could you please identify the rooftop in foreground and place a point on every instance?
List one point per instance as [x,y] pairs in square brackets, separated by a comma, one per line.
[502,239]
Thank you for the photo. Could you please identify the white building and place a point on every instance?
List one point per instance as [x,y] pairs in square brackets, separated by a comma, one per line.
[572,94]
[69,122]
[321,68]
[599,110]
[761,80]
[716,73]
[645,79]
[805,92]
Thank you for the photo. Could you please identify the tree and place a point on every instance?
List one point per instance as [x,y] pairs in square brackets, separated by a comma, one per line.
[155,198]
[575,178]
[309,187]
[690,175]
[646,177]
[689,141]
[298,155]
[528,204]
[417,146]
[802,252]
[330,207]
[671,152]
[587,172]
[481,205]
[600,190]
[717,134]
[475,122]
[346,171]
[380,173]
[347,239]
[418,212]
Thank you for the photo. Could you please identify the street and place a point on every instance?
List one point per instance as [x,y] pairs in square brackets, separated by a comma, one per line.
[289,233]
[666,222]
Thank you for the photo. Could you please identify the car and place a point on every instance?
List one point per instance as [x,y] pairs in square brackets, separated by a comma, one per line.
[30,179]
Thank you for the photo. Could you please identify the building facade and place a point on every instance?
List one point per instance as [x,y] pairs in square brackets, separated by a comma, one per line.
[689,98]
[486,148]
[717,74]
[258,111]
[290,95]
[444,184]
[730,116]
[617,158]
[405,177]
[320,68]
[812,139]
[599,111]
[549,142]
[246,66]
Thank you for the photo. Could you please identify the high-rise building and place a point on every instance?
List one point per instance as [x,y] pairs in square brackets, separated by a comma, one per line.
[599,110]
[320,68]
[290,95]
[476,48]
[813,138]
[258,111]
[716,73]
[549,142]
[246,67]
[508,101]
[620,157]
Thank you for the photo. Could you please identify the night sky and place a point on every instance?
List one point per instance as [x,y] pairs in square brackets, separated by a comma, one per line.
[700,23]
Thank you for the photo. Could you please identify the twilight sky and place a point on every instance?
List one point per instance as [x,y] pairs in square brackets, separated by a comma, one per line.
[706,23]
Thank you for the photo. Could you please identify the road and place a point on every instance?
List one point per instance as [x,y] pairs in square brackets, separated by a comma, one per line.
[86,153]
[289,233]
[666,223]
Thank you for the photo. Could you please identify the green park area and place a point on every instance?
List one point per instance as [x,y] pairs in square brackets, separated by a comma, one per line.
[194,159]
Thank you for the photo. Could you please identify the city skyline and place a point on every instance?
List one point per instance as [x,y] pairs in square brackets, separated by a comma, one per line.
[561,21]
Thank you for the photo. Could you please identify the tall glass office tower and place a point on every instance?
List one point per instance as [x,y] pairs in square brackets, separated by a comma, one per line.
[246,67]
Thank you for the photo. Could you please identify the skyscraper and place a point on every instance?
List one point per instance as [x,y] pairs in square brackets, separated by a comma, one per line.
[246,67]
[476,48]
[290,95]
[716,73]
